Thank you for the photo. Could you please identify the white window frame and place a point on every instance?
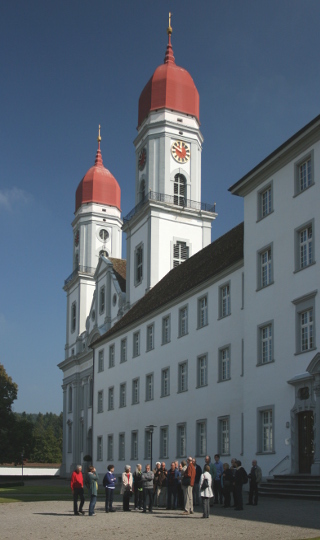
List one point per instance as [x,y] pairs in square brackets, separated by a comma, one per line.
[123,350]
[136,344]
[305,328]
[135,391]
[110,447]
[165,382]
[201,441]
[225,363]
[180,253]
[166,329]
[265,343]
[122,446]
[304,245]
[225,300]
[203,311]
[73,316]
[111,355]
[149,387]
[123,395]
[181,440]
[99,448]
[180,190]
[134,445]
[265,267]
[100,401]
[202,370]
[224,435]
[304,173]
[150,337]
[265,201]
[183,321]
[265,430]
[164,442]
[183,376]
[111,398]
[101,361]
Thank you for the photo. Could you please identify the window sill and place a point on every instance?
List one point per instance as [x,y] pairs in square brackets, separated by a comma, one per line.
[265,363]
[224,380]
[261,218]
[304,268]
[260,288]
[265,453]
[202,385]
[203,326]
[303,191]
[183,335]
[165,343]
[182,391]
[224,316]
[305,352]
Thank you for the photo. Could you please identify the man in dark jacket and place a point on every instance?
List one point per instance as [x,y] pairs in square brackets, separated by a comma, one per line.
[240,478]
[147,483]
[196,483]
[255,477]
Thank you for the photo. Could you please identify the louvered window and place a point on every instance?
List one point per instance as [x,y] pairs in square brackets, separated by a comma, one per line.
[180,253]
[179,190]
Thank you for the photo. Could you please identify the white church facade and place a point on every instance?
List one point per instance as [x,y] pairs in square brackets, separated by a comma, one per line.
[214,345]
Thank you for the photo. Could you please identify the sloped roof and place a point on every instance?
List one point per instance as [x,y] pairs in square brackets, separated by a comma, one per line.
[120,268]
[210,261]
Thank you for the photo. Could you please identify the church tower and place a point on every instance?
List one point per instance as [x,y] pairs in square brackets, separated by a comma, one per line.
[96,230]
[169,223]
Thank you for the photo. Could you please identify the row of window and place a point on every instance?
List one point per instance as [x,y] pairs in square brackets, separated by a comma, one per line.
[303,179]
[265,439]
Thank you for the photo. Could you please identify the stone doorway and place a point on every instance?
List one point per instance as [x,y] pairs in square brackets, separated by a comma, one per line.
[306,441]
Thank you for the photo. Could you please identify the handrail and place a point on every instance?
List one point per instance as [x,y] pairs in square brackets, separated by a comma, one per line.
[175,200]
[277,465]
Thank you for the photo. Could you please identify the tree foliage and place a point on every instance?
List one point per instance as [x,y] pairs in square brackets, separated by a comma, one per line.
[38,437]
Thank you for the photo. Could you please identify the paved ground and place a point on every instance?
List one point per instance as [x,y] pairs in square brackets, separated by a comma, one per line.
[273,519]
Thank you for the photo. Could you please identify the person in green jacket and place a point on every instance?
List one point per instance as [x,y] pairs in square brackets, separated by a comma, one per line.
[93,489]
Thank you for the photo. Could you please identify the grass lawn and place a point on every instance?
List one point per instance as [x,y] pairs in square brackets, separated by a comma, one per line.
[35,493]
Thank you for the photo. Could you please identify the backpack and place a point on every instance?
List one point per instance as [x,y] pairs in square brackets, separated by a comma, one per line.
[87,481]
[205,484]
[104,481]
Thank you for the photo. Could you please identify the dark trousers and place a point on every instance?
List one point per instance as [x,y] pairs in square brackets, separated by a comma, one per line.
[126,500]
[180,497]
[172,497]
[147,493]
[238,502]
[253,493]
[227,496]
[109,498]
[138,498]
[217,490]
[78,492]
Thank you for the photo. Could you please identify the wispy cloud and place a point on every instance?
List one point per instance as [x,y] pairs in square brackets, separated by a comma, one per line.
[11,197]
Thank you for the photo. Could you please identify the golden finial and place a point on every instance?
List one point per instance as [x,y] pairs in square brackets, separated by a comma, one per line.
[169,29]
[99,136]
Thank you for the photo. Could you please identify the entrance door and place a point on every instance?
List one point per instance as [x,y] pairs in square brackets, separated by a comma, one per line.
[306,446]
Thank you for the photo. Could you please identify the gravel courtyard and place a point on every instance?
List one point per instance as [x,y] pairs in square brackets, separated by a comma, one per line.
[272,519]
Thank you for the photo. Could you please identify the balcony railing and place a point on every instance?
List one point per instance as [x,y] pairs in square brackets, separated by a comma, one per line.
[175,200]
[80,270]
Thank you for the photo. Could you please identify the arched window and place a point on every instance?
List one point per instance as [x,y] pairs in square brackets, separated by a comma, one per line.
[180,191]
[142,190]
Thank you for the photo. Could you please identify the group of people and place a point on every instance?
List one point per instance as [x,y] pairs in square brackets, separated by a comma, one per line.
[180,487]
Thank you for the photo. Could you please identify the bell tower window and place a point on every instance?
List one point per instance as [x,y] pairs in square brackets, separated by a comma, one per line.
[142,190]
[180,190]
[180,253]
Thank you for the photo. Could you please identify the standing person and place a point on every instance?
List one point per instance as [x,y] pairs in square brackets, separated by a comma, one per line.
[156,471]
[172,484]
[188,482]
[205,490]
[93,489]
[109,482]
[196,483]
[147,482]
[126,488]
[218,495]
[138,489]
[77,488]
[180,491]
[233,469]
[240,479]
[161,485]
[227,480]
[255,477]
[208,461]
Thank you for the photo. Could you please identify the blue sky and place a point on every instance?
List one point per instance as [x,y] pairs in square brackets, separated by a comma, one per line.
[68,66]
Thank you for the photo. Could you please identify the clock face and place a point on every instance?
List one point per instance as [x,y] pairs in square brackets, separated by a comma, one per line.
[180,151]
[142,159]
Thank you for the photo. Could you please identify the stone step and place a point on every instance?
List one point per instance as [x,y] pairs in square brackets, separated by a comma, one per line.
[282,495]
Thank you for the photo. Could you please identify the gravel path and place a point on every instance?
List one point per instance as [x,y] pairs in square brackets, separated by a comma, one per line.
[272,519]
